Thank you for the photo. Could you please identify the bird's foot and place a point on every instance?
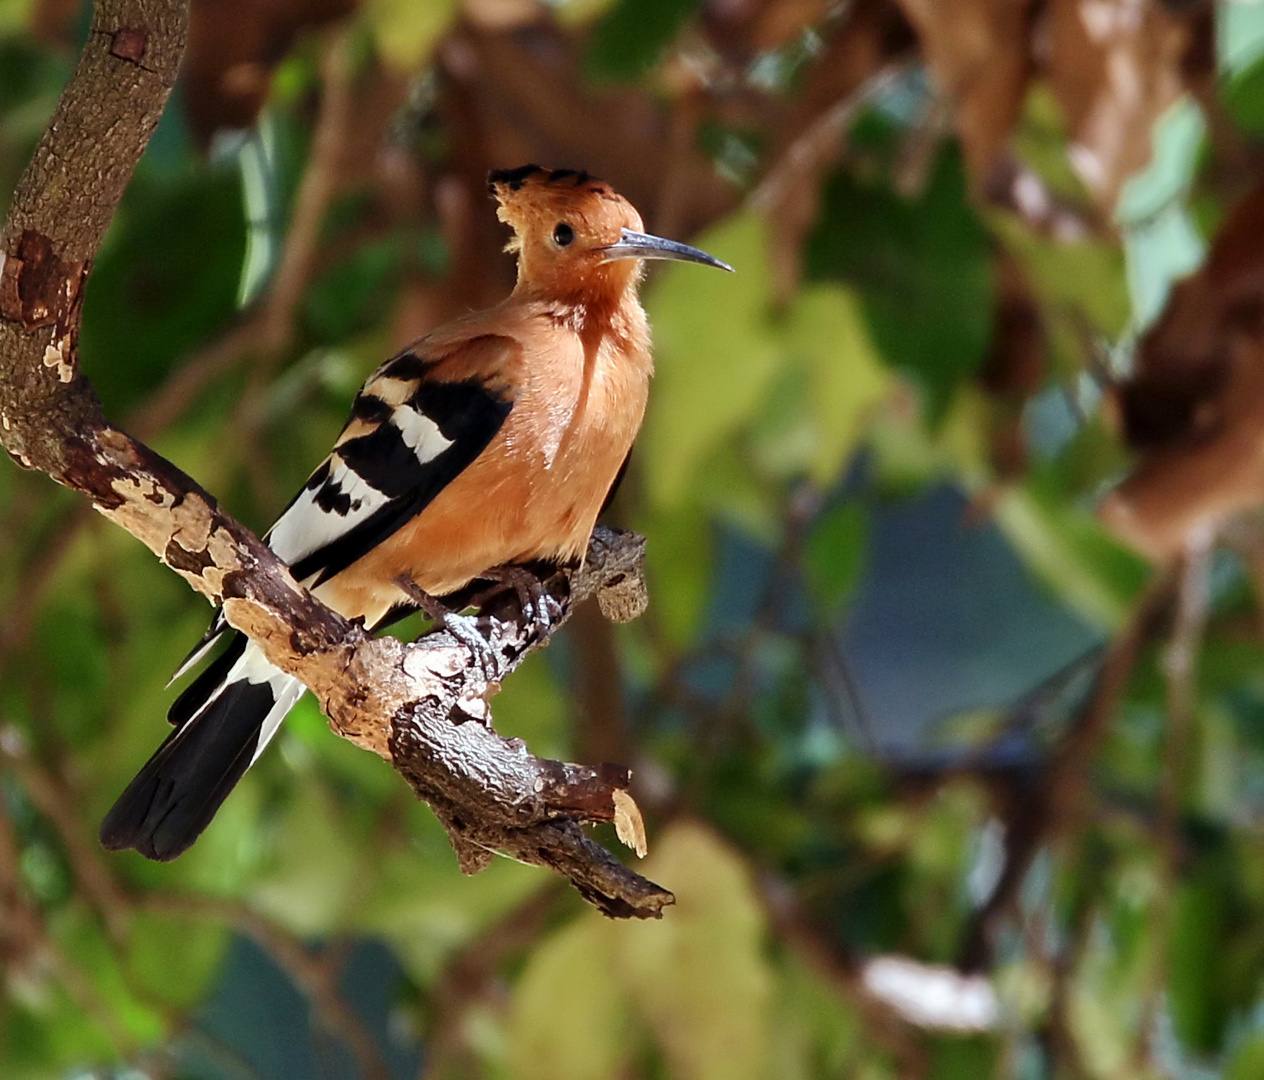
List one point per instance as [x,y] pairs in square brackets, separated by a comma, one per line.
[539,609]
[465,629]
[462,627]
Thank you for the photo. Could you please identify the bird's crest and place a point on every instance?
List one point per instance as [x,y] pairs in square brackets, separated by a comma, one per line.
[517,179]
[535,200]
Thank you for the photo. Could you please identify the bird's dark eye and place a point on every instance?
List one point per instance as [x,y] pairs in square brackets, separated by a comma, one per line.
[563,234]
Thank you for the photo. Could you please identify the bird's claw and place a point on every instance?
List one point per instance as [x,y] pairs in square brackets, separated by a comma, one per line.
[534,600]
[462,627]
[465,629]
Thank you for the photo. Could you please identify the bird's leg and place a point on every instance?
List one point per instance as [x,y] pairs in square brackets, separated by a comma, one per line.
[462,627]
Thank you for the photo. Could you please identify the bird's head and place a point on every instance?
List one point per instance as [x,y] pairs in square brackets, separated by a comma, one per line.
[574,234]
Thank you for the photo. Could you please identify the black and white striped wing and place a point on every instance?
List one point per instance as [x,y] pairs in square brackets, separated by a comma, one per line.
[409,436]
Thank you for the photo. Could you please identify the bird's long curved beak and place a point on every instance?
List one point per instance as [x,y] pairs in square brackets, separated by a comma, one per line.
[638,245]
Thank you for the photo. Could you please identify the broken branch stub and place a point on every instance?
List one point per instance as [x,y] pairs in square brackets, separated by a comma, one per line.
[424,706]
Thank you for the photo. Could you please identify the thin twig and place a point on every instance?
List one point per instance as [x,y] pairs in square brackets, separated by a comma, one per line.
[319,184]
[228,1058]
[821,952]
[472,975]
[55,802]
[185,384]
[1059,1026]
[22,605]
[26,944]
[1180,668]
[267,331]
[312,973]
[1067,778]
[1055,811]
[298,258]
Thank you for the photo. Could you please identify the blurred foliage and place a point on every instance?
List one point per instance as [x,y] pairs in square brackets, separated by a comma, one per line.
[909,834]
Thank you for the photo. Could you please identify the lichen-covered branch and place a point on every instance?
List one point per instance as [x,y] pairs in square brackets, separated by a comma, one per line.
[422,706]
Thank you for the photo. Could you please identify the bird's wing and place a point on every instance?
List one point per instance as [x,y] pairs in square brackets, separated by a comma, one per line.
[414,427]
[418,422]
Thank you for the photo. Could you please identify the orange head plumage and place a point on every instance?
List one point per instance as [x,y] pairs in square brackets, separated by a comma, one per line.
[574,235]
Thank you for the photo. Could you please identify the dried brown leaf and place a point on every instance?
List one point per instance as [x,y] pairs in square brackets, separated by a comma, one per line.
[233,47]
[1184,360]
[629,826]
[1114,66]
[979,54]
[1014,367]
[1195,406]
[1185,494]
[780,23]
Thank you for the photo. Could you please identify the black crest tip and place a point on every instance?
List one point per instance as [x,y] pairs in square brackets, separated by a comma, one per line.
[578,175]
[514,178]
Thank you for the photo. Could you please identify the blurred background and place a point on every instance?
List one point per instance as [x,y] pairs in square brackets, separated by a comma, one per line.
[947,715]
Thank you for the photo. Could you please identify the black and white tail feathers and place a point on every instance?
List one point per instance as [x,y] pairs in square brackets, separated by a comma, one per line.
[223,720]
[410,434]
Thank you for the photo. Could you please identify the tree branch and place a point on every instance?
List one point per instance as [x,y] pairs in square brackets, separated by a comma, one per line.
[423,706]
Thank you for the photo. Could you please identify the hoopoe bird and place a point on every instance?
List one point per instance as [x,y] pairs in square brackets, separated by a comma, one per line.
[493,441]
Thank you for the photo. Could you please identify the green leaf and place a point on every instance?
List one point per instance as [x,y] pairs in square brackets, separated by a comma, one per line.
[1239,36]
[355,294]
[1217,766]
[569,1012]
[922,269]
[1161,242]
[1244,100]
[1040,142]
[715,354]
[44,1032]
[728,488]
[407,30]
[679,567]
[14,14]
[816,1033]
[318,865]
[149,300]
[782,439]
[83,941]
[1195,981]
[1084,277]
[173,959]
[1178,137]
[847,380]
[699,978]
[73,661]
[1247,1061]
[833,557]
[629,38]
[1066,548]
[423,906]
[963,1058]
[828,382]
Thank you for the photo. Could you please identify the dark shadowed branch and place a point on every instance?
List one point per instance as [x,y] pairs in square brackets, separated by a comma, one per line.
[423,707]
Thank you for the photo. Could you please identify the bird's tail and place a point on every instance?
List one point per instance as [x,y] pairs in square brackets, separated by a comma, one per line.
[223,721]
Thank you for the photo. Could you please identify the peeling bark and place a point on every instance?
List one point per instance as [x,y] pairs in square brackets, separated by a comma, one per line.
[423,707]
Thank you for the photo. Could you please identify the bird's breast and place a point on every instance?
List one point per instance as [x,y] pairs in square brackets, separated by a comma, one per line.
[535,492]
